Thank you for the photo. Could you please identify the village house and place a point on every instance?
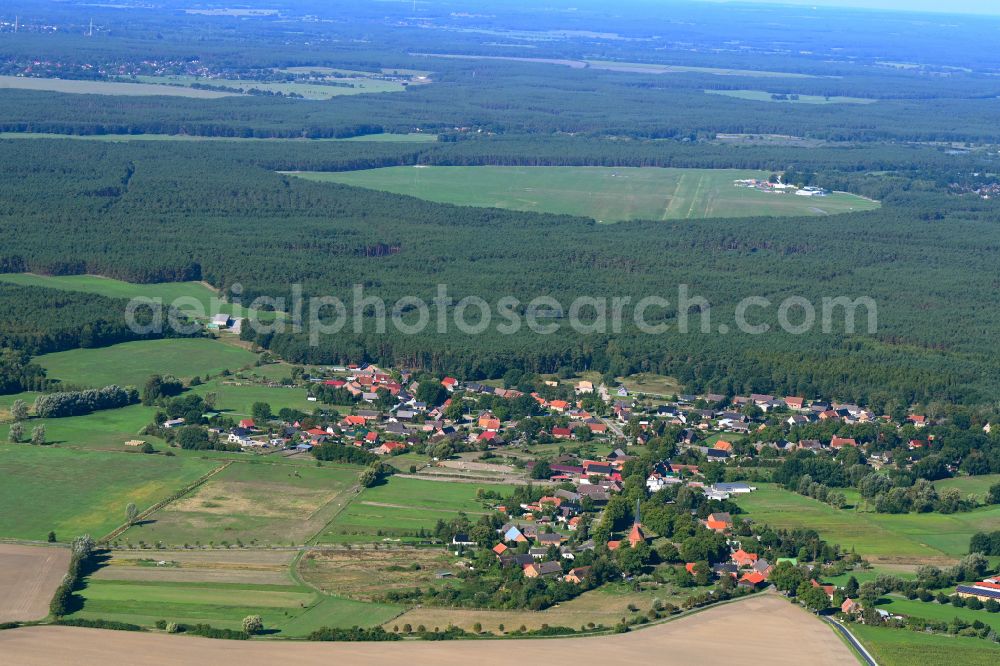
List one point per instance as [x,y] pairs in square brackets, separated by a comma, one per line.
[542,569]
[577,575]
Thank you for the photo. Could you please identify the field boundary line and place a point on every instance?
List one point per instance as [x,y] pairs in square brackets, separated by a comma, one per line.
[118,531]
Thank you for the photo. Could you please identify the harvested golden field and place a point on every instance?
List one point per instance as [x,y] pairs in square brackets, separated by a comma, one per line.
[29,575]
[762,629]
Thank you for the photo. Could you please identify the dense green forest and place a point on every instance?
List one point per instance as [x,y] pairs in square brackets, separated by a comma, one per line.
[158,212]
[150,211]
[39,320]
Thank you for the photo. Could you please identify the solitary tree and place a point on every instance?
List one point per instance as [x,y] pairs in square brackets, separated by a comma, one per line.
[16,434]
[19,410]
[253,624]
[131,513]
[261,412]
[52,537]
[38,434]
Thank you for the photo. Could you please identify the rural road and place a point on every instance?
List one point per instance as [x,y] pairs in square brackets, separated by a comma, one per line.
[845,632]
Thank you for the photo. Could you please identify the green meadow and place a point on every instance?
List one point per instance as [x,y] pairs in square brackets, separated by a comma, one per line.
[400,507]
[288,610]
[264,503]
[764,96]
[901,647]
[131,363]
[78,492]
[603,193]
[970,485]
[238,399]
[898,605]
[107,429]
[885,537]
[195,298]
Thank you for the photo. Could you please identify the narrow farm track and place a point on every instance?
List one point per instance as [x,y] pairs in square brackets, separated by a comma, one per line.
[118,531]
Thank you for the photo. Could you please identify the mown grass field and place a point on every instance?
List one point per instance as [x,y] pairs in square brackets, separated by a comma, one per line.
[131,363]
[238,399]
[400,507]
[883,537]
[77,492]
[603,193]
[105,87]
[106,430]
[263,503]
[764,96]
[898,605]
[289,610]
[970,485]
[900,647]
[192,297]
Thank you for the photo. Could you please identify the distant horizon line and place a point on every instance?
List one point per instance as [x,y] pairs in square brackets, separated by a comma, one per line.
[866,7]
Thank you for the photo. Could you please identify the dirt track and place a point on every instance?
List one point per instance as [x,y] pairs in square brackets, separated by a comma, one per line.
[765,629]
[29,575]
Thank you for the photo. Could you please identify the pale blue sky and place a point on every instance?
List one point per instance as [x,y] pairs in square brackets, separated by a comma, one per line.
[950,6]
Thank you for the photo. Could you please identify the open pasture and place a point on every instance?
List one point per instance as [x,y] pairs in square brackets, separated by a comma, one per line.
[78,492]
[179,293]
[604,193]
[401,507]
[106,430]
[132,363]
[897,647]
[105,87]
[887,538]
[260,503]
[970,485]
[237,398]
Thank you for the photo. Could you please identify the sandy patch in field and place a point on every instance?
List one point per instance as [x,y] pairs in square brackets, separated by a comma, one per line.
[29,575]
[764,629]
[351,573]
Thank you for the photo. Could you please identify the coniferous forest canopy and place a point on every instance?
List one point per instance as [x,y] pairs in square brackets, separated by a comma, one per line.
[925,145]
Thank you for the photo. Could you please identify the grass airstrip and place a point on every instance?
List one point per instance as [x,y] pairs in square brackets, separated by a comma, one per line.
[606,194]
